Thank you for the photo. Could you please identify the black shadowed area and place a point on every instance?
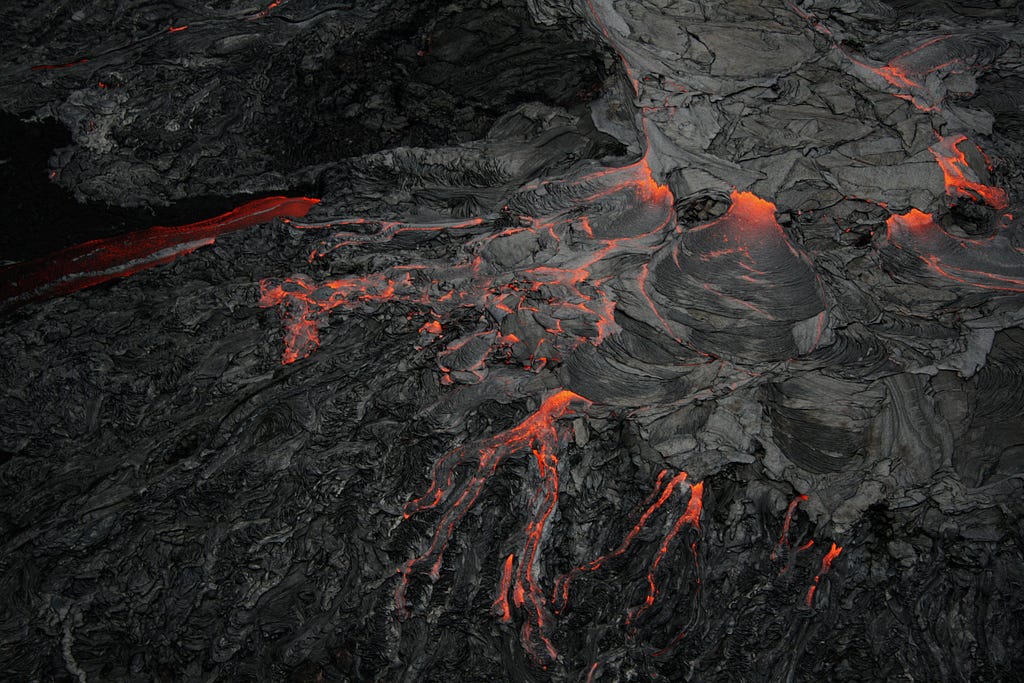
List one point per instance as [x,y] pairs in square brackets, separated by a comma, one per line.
[44,217]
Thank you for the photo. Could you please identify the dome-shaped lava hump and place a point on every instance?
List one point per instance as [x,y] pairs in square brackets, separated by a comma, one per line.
[822,423]
[949,261]
[737,287]
[613,204]
[634,205]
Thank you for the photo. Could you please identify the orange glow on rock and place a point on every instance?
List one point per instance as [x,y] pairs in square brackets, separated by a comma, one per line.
[620,211]
[908,73]
[501,606]
[914,220]
[656,500]
[431,327]
[538,435]
[783,541]
[826,565]
[561,597]
[752,211]
[45,67]
[961,179]
[302,303]
[689,517]
[92,263]
[989,263]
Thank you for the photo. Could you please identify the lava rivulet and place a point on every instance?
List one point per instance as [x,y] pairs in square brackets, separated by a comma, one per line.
[662,493]
[826,565]
[539,435]
[961,178]
[689,517]
[784,544]
[89,264]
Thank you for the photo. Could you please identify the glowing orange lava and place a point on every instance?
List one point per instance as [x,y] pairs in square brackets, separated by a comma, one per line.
[535,287]
[783,541]
[751,211]
[564,297]
[89,264]
[539,435]
[431,327]
[44,67]
[302,303]
[914,220]
[906,73]
[501,603]
[690,517]
[561,596]
[961,179]
[826,565]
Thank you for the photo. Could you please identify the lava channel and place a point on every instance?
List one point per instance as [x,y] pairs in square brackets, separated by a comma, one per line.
[92,263]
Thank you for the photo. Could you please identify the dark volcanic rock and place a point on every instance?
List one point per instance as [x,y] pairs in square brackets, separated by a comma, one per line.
[627,341]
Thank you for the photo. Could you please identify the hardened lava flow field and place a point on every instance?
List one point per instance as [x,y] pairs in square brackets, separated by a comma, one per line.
[560,340]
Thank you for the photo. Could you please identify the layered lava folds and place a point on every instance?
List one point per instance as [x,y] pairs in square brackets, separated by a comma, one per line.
[739,286]
[825,424]
[540,288]
[992,263]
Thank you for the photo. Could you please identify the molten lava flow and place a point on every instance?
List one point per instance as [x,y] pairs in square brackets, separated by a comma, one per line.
[786,522]
[92,263]
[302,303]
[691,517]
[539,435]
[958,174]
[752,212]
[561,595]
[748,234]
[500,606]
[907,73]
[263,13]
[563,307]
[738,286]
[826,564]
[783,541]
[990,263]
[897,77]
[431,327]
[45,67]
[535,304]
